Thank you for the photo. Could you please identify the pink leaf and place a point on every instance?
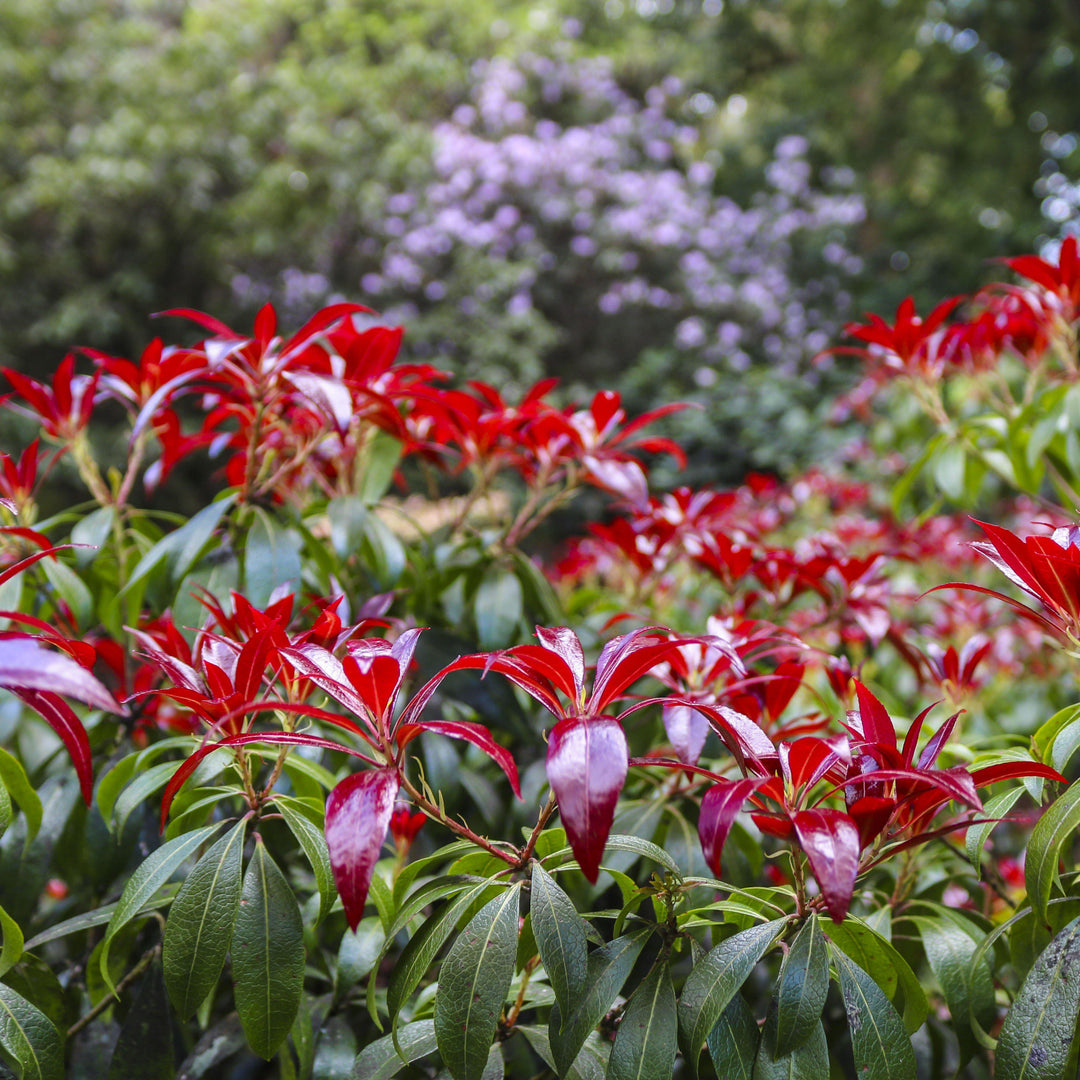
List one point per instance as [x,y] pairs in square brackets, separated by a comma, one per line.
[586,766]
[477,734]
[831,842]
[719,807]
[686,729]
[25,664]
[358,815]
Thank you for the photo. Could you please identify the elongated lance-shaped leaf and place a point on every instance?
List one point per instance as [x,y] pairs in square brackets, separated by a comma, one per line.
[144,1050]
[808,1061]
[153,872]
[645,1043]
[12,937]
[801,989]
[560,938]
[608,968]
[1037,1037]
[200,924]
[29,1038]
[381,1059]
[715,980]
[733,1041]
[313,842]
[473,983]
[1044,848]
[879,1042]
[267,954]
[996,806]
[17,783]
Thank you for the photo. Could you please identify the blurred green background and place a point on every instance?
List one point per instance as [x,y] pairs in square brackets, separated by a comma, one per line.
[680,199]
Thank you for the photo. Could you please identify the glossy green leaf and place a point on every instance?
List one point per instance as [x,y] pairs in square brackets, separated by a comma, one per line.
[92,533]
[7,813]
[271,558]
[17,784]
[359,952]
[267,955]
[1037,1037]
[808,1061]
[200,924]
[715,980]
[473,983]
[140,789]
[801,989]
[996,806]
[879,1042]
[560,938]
[646,1042]
[498,608]
[733,1041]
[608,968]
[313,842]
[380,1060]
[144,1050]
[1044,848]
[70,588]
[149,876]
[29,1038]
[12,937]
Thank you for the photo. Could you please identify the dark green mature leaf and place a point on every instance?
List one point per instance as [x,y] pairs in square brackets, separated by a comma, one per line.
[313,842]
[200,924]
[733,1041]
[1037,1037]
[881,1046]
[29,1039]
[267,955]
[1044,848]
[139,790]
[144,1050]
[646,1042]
[801,989]
[380,1060]
[219,1042]
[149,876]
[560,938]
[808,1061]
[608,968]
[473,984]
[715,980]
[587,1066]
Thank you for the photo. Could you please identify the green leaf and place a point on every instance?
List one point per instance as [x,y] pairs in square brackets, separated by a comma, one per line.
[420,951]
[71,589]
[271,558]
[473,983]
[140,789]
[881,1046]
[201,922]
[91,533]
[587,1066]
[808,1061]
[12,948]
[7,814]
[29,1039]
[733,1041]
[1044,848]
[715,980]
[267,954]
[359,952]
[645,1043]
[608,968]
[968,988]
[801,989]
[498,608]
[17,784]
[560,938]
[996,806]
[144,1050]
[1037,1036]
[98,917]
[313,842]
[149,876]
[381,457]
[380,1060]
[885,965]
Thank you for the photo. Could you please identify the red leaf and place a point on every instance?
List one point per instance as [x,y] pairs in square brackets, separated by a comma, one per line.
[477,734]
[358,814]
[62,719]
[562,641]
[871,814]
[719,807]
[877,725]
[1014,770]
[586,766]
[623,660]
[831,842]
[25,664]
[686,729]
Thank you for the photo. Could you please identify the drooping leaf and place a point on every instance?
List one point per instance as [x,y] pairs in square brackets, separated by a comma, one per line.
[473,983]
[881,1046]
[1044,848]
[801,989]
[715,979]
[831,841]
[586,766]
[381,1059]
[62,719]
[719,808]
[808,1061]
[267,954]
[144,1050]
[1037,1037]
[29,1038]
[733,1041]
[560,938]
[645,1042]
[608,968]
[586,1066]
[358,814]
[200,923]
